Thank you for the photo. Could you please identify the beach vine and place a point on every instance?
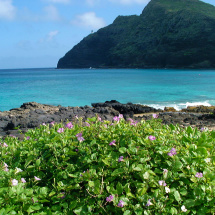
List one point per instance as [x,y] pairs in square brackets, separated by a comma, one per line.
[102,167]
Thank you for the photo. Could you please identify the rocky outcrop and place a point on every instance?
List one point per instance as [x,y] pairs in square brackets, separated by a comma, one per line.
[31,115]
[168,34]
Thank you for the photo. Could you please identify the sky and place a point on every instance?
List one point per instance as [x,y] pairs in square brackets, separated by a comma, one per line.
[37,33]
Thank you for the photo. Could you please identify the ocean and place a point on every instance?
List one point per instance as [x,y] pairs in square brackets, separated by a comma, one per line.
[79,87]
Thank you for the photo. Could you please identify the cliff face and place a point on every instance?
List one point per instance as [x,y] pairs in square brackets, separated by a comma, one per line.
[168,34]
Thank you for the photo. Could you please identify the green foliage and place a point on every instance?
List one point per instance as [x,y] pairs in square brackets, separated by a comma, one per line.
[78,175]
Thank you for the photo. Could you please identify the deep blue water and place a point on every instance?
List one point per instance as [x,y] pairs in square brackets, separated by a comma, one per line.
[79,87]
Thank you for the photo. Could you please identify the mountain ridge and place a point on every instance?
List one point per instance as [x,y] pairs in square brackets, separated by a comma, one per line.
[167,34]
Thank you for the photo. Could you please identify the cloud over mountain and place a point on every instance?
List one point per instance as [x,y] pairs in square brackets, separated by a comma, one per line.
[89,20]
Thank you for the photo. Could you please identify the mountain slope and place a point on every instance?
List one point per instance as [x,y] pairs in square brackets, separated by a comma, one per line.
[168,34]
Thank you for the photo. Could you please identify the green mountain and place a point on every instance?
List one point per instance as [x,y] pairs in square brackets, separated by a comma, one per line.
[168,34]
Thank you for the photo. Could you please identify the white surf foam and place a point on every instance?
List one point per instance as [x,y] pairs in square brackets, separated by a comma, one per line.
[178,106]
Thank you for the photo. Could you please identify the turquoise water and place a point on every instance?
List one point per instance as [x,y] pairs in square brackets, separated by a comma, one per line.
[79,87]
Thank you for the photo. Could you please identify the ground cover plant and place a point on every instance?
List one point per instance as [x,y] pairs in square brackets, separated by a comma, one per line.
[102,167]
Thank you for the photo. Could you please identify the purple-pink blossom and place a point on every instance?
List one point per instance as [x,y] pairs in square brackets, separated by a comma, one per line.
[15,182]
[199,175]
[148,203]
[23,180]
[87,124]
[202,129]
[120,159]
[6,167]
[60,130]
[52,123]
[5,145]
[155,116]
[172,152]
[112,143]
[165,171]
[79,137]
[116,118]
[109,198]
[152,137]
[162,183]
[11,135]
[121,204]
[121,116]
[36,178]
[99,118]
[27,138]
[69,125]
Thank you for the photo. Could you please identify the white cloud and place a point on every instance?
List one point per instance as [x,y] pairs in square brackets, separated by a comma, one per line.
[58,1]
[92,2]
[128,2]
[7,10]
[89,20]
[49,37]
[51,13]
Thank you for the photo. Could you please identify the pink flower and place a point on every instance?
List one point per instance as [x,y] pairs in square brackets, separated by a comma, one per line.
[5,145]
[202,129]
[23,180]
[87,124]
[69,125]
[116,118]
[172,152]
[120,159]
[149,203]
[52,123]
[109,199]
[165,171]
[60,130]
[199,175]
[134,123]
[14,182]
[36,178]
[162,183]
[12,136]
[121,116]
[155,116]
[121,204]
[6,167]
[112,143]
[79,137]
[152,137]
[44,123]
[99,118]
[27,138]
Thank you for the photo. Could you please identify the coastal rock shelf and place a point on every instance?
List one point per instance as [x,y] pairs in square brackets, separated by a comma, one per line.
[31,115]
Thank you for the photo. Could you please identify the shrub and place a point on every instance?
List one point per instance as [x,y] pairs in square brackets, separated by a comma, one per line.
[108,168]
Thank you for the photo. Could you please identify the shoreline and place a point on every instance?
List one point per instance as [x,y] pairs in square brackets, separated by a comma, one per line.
[31,115]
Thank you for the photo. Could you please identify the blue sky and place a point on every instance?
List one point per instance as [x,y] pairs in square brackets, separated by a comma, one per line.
[36,33]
